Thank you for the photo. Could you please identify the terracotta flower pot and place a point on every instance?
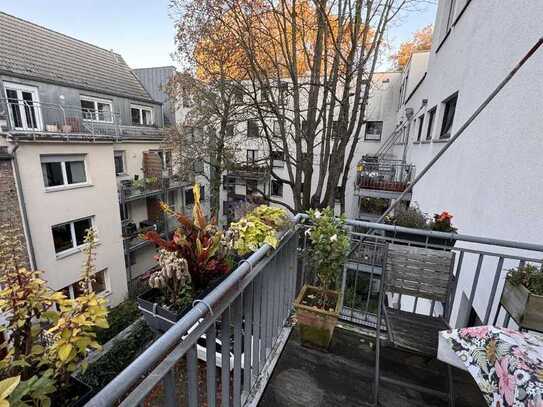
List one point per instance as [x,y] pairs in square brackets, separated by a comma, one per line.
[316,325]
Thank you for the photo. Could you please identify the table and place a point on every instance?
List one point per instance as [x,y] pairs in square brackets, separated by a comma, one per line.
[507,365]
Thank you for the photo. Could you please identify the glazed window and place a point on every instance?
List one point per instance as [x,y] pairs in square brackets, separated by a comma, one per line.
[61,171]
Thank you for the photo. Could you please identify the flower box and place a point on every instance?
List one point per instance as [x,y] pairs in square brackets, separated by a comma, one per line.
[524,307]
[437,241]
[316,325]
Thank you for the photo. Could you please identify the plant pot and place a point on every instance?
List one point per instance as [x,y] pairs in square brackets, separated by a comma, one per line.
[524,307]
[160,318]
[316,325]
[53,128]
[438,241]
[75,394]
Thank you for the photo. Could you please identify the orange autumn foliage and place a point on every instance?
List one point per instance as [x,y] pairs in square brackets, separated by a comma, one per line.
[422,41]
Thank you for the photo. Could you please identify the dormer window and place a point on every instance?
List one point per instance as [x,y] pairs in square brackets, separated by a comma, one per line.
[99,110]
[141,115]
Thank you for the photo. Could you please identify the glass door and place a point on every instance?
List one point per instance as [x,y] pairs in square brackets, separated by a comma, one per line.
[23,107]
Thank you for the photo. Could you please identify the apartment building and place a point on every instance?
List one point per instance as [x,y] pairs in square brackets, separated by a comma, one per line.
[84,141]
[490,178]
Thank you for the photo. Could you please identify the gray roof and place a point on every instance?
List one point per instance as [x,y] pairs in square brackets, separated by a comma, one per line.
[31,51]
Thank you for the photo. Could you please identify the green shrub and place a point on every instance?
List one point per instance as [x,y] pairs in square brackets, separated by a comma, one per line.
[119,318]
[529,276]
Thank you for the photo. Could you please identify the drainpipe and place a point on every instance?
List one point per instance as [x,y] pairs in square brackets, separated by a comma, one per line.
[22,208]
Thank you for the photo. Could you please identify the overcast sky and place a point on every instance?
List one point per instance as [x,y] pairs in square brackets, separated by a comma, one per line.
[142,31]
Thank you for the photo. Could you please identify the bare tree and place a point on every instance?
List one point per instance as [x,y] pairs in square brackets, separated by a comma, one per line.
[305,67]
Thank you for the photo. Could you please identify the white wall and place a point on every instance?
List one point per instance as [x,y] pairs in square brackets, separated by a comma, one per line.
[98,199]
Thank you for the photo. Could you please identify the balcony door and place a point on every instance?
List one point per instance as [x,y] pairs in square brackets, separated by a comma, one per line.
[23,103]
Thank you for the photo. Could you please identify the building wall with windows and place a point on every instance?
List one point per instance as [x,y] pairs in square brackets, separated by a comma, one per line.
[490,178]
[50,210]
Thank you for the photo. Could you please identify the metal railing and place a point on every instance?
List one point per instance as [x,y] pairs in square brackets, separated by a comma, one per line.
[241,323]
[224,349]
[384,175]
[481,265]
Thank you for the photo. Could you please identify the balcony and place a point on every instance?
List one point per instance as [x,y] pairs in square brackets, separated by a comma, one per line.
[32,120]
[249,170]
[254,306]
[381,178]
[132,234]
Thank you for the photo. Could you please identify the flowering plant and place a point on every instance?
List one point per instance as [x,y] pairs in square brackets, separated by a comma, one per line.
[329,246]
[442,222]
[198,242]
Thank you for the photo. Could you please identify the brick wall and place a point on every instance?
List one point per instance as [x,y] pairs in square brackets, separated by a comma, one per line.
[10,214]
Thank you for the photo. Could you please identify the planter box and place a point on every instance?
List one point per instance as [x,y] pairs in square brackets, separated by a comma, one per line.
[316,325]
[160,318]
[523,306]
[76,394]
[420,239]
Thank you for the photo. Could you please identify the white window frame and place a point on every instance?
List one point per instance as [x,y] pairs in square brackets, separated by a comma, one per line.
[96,114]
[141,108]
[37,111]
[62,159]
[75,248]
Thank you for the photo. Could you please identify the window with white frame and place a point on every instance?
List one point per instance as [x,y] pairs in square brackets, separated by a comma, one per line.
[99,285]
[23,106]
[141,115]
[100,110]
[70,235]
[276,188]
[63,170]
[277,158]
[118,156]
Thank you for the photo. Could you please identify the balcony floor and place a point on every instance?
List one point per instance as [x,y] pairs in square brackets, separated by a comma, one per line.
[343,376]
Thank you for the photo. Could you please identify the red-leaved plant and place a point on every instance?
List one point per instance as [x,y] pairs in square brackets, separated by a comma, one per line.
[198,241]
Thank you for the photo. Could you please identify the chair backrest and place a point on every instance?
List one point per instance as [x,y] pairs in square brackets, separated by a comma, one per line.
[418,272]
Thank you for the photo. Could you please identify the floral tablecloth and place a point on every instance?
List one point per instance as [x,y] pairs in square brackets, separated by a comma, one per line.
[506,364]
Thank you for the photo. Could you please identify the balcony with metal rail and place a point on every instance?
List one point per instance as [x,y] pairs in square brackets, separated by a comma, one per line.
[30,119]
[262,360]
[382,178]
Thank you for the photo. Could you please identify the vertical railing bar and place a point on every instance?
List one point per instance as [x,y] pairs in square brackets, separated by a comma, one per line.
[282,286]
[169,384]
[257,332]
[506,320]
[225,358]
[237,310]
[370,285]
[400,301]
[264,317]
[269,310]
[475,280]
[211,365]
[248,339]
[276,285]
[452,297]
[432,306]
[497,276]
[415,305]
[192,376]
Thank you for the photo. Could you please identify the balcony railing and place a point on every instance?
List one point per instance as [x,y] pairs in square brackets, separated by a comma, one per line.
[250,170]
[251,309]
[32,117]
[384,175]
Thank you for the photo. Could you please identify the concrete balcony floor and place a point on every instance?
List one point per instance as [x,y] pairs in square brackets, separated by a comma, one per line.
[344,376]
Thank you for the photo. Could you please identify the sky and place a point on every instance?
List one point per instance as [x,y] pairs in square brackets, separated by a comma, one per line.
[143,31]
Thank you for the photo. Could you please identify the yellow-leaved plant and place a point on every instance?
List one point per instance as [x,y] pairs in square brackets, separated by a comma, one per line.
[74,331]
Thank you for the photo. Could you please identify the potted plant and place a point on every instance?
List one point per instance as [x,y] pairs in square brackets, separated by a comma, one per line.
[192,263]
[317,306]
[46,335]
[522,296]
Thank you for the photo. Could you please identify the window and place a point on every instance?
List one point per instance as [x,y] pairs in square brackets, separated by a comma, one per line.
[421,123]
[431,118]
[339,193]
[123,209]
[238,95]
[189,197]
[141,115]
[251,157]
[276,188]
[165,158]
[251,186]
[70,235]
[63,170]
[448,117]
[24,112]
[252,129]
[118,156]
[100,110]
[373,131]
[265,93]
[278,159]
[99,285]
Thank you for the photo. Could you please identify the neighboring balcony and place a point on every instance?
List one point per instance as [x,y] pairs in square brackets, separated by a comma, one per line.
[251,312]
[380,178]
[136,189]
[28,118]
[249,170]
[133,233]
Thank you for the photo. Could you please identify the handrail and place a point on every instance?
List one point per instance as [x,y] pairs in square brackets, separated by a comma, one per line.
[123,382]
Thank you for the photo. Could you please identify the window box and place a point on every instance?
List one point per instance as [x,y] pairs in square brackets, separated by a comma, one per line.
[62,171]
